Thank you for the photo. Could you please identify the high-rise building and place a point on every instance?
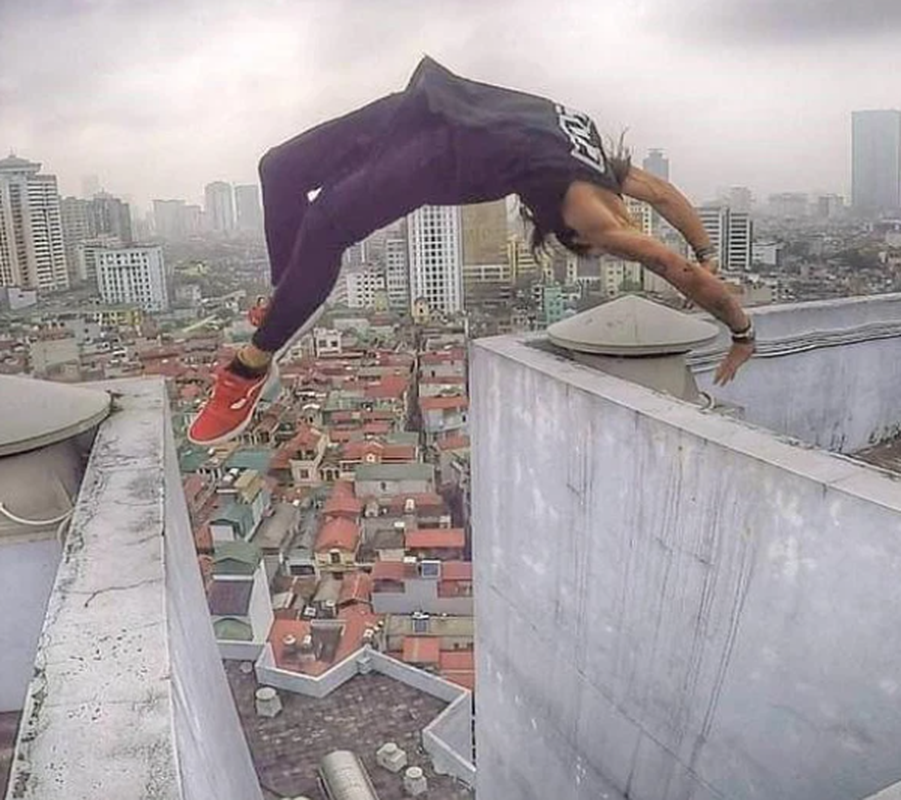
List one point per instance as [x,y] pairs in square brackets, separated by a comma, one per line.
[133,275]
[656,163]
[731,233]
[110,216]
[828,206]
[84,267]
[249,211]
[486,267]
[355,255]
[32,248]
[716,222]
[740,241]
[436,263]
[363,285]
[169,219]
[397,273]
[876,161]
[738,198]
[193,220]
[220,207]
[77,227]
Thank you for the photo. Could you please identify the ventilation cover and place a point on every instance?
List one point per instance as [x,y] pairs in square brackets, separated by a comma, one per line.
[40,464]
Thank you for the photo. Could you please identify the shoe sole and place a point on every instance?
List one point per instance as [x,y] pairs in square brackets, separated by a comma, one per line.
[236,432]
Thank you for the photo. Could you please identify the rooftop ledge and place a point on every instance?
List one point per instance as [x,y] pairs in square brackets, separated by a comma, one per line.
[129,697]
[715,594]
[843,473]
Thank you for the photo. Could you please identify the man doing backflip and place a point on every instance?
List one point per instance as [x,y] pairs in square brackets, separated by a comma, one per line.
[446,140]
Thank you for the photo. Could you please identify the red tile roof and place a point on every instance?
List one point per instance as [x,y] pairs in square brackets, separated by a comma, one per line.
[342,502]
[358,449]
[193,485]
[422,649]
[388,571]
[389,387]
[456,571]
[436,403]
[377,428]
[338,533]
[424,501]
[442,356]
[356,587]
[378,414]
[203,538]
[453,443]
[356,619]
[435,538]
[458,666]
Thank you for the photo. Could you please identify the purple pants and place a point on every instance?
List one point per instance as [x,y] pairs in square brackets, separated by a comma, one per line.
[373,166]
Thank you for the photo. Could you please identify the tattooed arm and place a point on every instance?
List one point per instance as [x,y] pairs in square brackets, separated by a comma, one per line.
[590,214]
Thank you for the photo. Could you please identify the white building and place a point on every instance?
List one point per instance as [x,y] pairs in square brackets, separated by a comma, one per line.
[620,277]
[220,206]
[32,248]
[363,284]
[133,275]
[731,233]
[84,267]
[740,241]
[436,258]
[716,222]
[247,205]
[397,274]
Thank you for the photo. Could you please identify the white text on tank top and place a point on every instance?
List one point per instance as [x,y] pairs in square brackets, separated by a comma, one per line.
[577,127]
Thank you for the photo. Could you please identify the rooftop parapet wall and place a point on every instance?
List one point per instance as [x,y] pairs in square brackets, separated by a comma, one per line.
[826,372]
[129,697]
[673,604]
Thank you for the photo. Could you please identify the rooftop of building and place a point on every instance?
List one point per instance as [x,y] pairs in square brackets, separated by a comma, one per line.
[362,715]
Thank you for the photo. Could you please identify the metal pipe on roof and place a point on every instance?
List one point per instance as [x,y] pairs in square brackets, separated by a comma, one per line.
[342,776]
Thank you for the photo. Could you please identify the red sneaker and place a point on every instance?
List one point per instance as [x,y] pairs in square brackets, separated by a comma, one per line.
[230,408]
[257,312]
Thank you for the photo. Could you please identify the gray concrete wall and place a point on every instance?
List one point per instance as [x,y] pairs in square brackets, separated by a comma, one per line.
[129,698]
[212,753]
[27,571]
[448,740]
[420,595]
[673,605]
[268,674]
[828,372]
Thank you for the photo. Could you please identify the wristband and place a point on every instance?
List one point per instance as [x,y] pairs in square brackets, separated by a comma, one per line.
[745,336]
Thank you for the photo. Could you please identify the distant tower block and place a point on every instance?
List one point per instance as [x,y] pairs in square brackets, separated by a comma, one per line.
[391,757]
[268,702]
[415,783]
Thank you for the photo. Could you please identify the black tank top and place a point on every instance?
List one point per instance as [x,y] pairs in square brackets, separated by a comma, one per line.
[511,142]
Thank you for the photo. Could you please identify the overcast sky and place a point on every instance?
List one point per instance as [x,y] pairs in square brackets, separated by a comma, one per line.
[159,97]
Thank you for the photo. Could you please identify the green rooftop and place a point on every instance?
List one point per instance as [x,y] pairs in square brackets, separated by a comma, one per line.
[191,458]
[394,472]
[236,558]
[230,629]
[255,458]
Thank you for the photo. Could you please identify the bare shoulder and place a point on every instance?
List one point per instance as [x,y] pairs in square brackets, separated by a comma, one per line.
[590,209]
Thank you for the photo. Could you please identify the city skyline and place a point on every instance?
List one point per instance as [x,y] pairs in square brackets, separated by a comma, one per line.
[735,93]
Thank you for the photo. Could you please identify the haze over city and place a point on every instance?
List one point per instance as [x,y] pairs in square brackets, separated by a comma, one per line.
[160,98]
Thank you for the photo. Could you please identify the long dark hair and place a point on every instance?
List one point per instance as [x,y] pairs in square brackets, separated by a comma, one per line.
[619,160]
